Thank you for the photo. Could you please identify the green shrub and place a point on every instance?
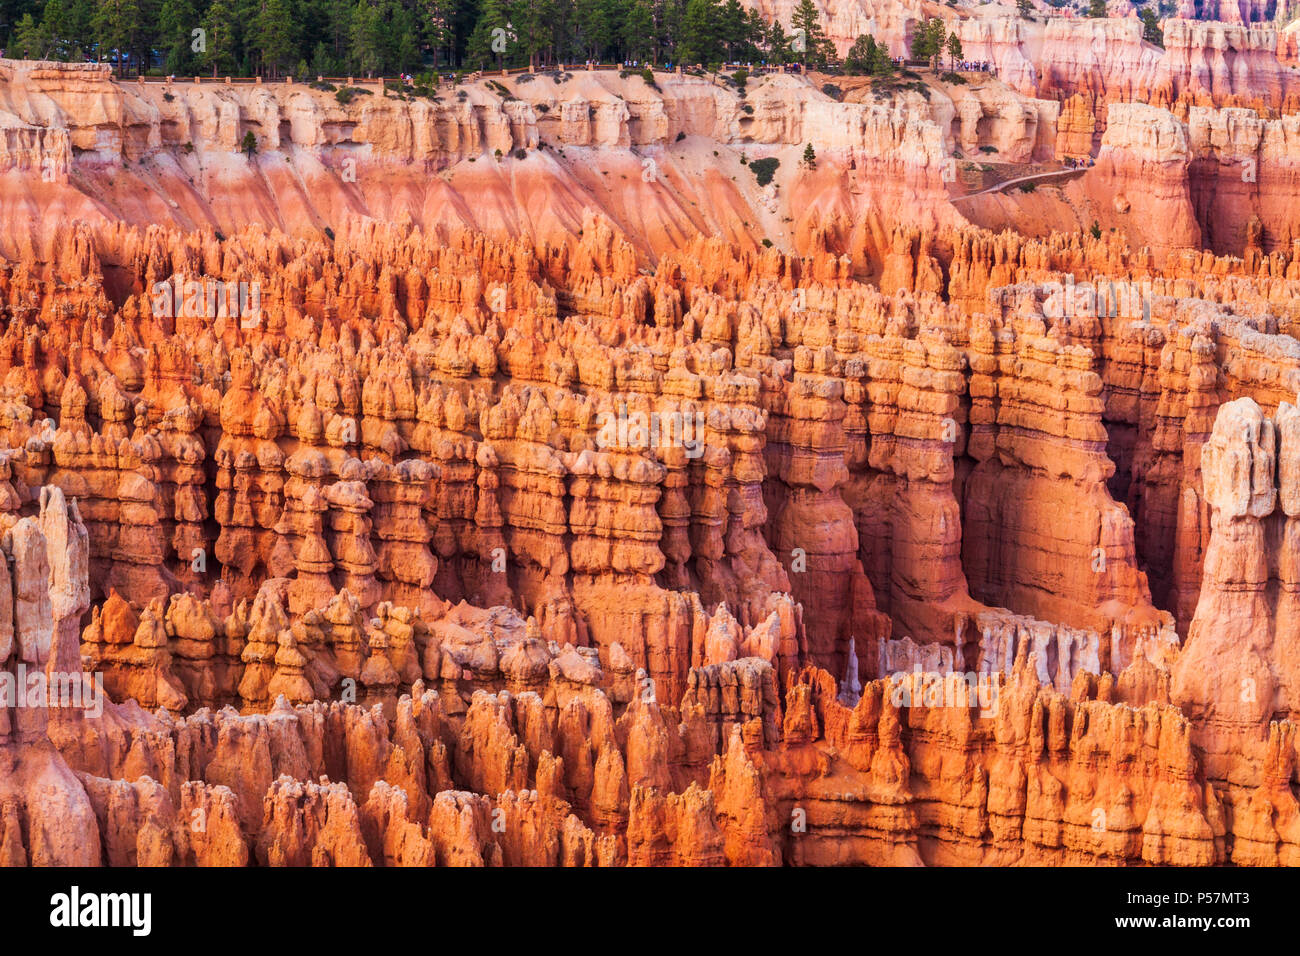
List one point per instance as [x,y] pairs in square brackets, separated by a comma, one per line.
[764,169]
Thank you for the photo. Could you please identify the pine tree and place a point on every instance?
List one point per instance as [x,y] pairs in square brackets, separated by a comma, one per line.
[402,49]
[638,30]
[755,35]
[1151,31]
[78,17]
[861,57]
[528,17]
[938,36]
[955,53]
[882,64]
[436,22]
[778,44]
[1096,8]
[54,22]
[669,18]
[369,35]
[928,41]
[219,38]
[176,21]
[144,41]
[701,42]
[809,157]
[322,64]
[116,26]
[808,28]
[491,37]
[338,33]
[733,30]
[31,40]
[593,27]
[272,36]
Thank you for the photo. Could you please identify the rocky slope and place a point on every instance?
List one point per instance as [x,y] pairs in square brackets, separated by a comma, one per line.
[470,537]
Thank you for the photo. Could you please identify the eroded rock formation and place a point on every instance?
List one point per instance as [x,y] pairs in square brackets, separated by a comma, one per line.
[406,543]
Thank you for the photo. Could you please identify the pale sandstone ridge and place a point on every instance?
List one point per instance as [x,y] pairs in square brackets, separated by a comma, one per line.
[672,159]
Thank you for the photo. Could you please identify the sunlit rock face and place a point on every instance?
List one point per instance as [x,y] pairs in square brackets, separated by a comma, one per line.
[386,501]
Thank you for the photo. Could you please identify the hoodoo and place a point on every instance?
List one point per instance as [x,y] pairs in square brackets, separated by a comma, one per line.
[864,453]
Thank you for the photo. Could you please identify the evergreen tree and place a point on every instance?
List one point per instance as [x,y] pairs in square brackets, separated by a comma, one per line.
[558,19]
[219,38]
[436,20]
[54,22]
[486,44]
[78,15]
[928,41]
[861,56]
[733,31]
[669,18]
[176,21]
[528,17]
[701,42]
[322,63]
[920,44]
[402,50]
[338,33]
[464,17]
[938,37]
[955,53]
[1096,8]
[145,39]
[593,29]
[31,39]
[116,27]
[778,44]
[1151,31]
[272,36]
[866,56]
[638,30]
[369,37]
[755,35]
[809,157]
[808,27]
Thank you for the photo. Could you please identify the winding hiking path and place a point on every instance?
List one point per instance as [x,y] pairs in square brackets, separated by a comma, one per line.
[1058,174]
